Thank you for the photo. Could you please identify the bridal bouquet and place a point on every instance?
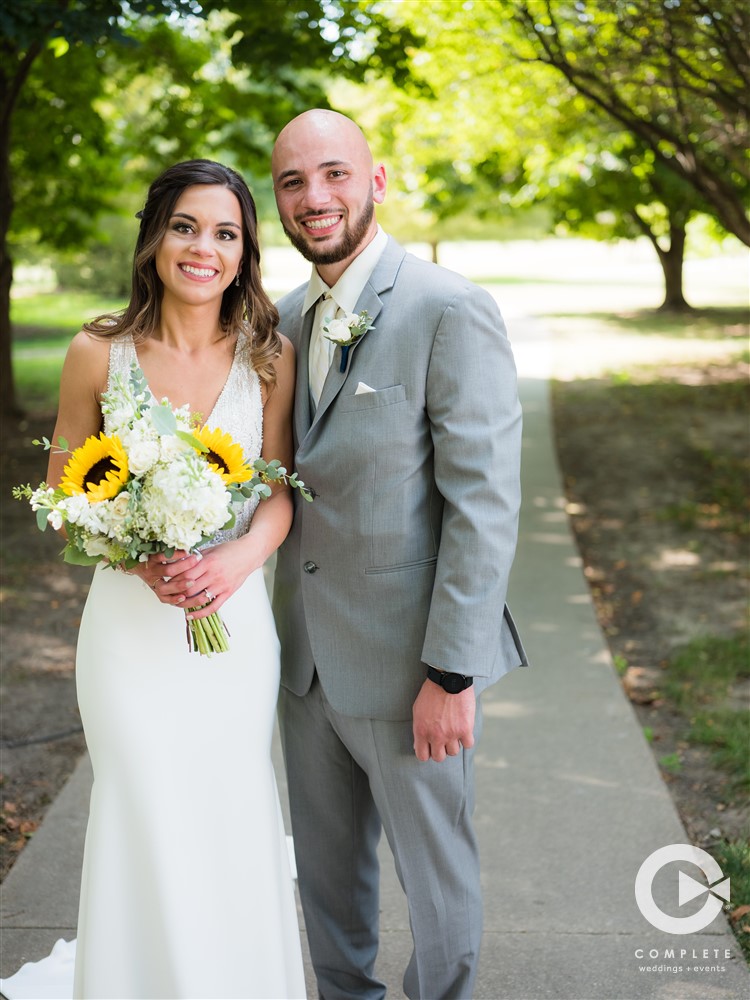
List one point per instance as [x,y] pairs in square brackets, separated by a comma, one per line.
[154,484]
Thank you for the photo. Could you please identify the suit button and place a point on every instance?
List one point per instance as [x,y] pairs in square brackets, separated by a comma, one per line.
[310,567]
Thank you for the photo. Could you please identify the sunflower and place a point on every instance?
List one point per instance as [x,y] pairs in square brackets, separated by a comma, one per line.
[99,468]
[224,455]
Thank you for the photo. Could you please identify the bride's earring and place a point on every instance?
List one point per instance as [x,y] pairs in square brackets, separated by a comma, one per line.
[237,280]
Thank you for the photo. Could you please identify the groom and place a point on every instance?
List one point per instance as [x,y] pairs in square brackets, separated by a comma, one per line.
[390,589]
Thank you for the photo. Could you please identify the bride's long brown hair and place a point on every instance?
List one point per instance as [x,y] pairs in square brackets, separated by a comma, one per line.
[246,306]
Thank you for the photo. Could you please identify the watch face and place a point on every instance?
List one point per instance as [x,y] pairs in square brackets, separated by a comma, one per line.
[453,683]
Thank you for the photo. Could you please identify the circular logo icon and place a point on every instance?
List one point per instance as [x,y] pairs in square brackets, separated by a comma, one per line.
[688,888]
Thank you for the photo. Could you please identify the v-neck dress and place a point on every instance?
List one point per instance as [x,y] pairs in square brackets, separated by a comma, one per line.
[187,890]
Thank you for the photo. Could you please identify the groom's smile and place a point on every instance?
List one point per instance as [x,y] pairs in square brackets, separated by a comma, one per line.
[322,226]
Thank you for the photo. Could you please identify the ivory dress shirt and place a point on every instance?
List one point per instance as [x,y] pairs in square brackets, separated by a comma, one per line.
[343,295]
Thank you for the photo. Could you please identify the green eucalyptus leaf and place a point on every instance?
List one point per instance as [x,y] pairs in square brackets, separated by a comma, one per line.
[163,419]
[75,557]
[193,441]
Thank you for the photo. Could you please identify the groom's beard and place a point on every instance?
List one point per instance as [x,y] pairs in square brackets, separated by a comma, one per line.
[347,245]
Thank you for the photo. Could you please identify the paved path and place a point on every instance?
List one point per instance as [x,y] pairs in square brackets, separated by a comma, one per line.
[570,801]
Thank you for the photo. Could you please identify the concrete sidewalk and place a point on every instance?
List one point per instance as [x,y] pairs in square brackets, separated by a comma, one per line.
[569,801]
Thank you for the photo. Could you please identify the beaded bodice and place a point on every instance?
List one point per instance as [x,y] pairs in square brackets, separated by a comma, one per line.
[238,411]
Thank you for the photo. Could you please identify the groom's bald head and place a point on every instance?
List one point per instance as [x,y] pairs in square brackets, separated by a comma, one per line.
[322,127]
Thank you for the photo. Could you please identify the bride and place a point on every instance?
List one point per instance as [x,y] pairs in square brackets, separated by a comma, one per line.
[186,889]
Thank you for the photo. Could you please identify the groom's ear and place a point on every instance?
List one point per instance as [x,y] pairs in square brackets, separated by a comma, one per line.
[379,184]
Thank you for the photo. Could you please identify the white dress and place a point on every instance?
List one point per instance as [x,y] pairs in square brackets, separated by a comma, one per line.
[186,889]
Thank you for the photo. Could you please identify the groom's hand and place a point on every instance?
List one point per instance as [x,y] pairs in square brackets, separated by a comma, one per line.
[442,722]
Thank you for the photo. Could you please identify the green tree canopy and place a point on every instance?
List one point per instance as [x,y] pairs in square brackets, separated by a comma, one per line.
[94,93]
[674,73]
[506,130]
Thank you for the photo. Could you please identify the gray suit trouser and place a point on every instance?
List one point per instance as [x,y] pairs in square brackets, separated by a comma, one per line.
[347,776]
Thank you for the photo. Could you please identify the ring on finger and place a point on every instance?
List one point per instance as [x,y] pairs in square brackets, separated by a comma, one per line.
[209,596]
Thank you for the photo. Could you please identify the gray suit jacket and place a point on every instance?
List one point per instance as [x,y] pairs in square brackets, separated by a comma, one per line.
[403,558]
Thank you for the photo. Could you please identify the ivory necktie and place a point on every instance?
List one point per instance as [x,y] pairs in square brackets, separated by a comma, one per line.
[321,349]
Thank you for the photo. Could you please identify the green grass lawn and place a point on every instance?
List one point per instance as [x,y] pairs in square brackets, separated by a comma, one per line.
[578,287]
[43,326]
[58,312]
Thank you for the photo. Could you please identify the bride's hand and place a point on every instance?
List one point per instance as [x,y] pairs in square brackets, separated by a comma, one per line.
[159,570]
[205,586]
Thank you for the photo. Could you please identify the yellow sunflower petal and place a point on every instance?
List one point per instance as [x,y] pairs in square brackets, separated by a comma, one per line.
[99,468]
[224,455]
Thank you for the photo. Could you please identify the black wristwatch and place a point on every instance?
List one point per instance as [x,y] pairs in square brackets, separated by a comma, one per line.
[452,683]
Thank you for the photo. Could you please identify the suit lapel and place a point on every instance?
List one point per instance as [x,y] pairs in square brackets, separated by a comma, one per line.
[302,404]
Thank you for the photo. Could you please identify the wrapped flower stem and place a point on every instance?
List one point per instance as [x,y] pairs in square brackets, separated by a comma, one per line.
[207,635]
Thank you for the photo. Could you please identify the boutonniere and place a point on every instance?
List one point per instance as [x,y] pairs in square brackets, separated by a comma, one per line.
[346,331]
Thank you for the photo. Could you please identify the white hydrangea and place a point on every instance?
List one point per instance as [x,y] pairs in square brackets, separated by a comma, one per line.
[118,420]
[184,501]
[117,517]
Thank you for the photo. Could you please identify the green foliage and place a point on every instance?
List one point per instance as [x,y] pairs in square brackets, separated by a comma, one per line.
[105,262]
[727,732]
[700,679]
[620,664]
[704,670]
[723,497]
[671,762]
[734,859]
[62,166]
[547,134]
[38,381]
[667,73]
[116,91]
[43,326]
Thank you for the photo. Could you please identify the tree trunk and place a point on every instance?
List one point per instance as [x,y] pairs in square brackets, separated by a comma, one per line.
[10,88]
[671,259]
[434,248]
[7,386]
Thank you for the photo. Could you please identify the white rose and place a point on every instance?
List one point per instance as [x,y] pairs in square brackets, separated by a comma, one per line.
[142,456]
[170,447]
[118,516]
[339,330]
[97,546]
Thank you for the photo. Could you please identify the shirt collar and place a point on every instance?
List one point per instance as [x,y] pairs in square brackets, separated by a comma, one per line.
[348,288]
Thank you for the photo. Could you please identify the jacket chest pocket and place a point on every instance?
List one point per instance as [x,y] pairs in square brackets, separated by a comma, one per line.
[372,400]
